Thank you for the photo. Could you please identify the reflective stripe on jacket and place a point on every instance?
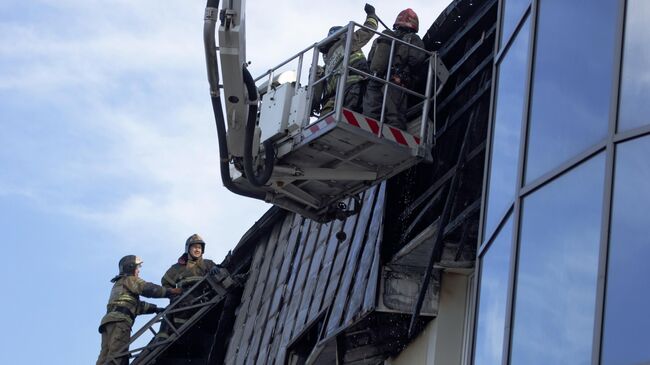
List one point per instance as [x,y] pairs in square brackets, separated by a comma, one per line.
[126,295]
[335,55]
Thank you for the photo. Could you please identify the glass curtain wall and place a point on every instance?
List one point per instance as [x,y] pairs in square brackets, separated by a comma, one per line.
[564,213]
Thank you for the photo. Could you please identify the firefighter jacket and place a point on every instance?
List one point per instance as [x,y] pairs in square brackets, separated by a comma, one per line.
[186,272]
[406,60]
[124,303]
[334,57]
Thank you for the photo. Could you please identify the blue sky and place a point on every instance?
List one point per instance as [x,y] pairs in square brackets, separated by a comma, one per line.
[108,148]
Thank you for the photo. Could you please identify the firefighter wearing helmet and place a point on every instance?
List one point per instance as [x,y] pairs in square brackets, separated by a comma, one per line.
[124,305]
[189,269]
[403,70]
[333,54]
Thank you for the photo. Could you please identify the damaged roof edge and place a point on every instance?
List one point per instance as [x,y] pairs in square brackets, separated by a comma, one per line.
[446,23]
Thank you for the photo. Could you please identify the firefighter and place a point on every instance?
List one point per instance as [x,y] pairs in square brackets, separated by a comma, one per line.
[190,268]
[405,62]
[124,305]
[333,55]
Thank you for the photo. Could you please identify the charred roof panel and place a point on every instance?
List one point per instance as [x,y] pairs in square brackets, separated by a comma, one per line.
[300,270]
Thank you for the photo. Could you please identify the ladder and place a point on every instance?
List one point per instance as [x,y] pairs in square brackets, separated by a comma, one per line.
[204,295]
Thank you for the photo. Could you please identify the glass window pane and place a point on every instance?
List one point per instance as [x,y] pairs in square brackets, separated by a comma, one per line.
[627,322]
[495,267]
[512,12]
[507,129]
[572,83]
[557,270]
[635,79]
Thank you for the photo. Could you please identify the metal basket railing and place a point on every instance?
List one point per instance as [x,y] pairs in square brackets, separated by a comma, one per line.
[296,62]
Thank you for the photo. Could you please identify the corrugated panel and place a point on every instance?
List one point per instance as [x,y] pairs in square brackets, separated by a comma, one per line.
[301,270]
[288,291]
[302,267]
[332,248]
[370,299]
[269,290]
[339,263]
[357,296]
[343,292]
[311,284]
[256,301]
[280,291]
[242,316]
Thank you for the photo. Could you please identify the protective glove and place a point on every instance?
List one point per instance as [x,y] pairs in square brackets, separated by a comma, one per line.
[369,9]
[172,292]
[215,270]
[158,310]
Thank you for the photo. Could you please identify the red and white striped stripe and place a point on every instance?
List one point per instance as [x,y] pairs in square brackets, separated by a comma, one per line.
[368,124]
[388,132]
[314,128]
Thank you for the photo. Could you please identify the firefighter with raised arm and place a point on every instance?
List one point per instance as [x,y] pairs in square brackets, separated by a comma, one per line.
[333,54]
[402,73]
[124,305]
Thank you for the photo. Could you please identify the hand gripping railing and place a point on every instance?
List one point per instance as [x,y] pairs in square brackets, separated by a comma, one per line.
[203,302]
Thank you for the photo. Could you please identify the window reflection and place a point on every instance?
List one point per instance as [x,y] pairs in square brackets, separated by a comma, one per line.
[557,270]
[507,129]
[492,299]
[572,83]
[635,78]
[626,335]
[512,12]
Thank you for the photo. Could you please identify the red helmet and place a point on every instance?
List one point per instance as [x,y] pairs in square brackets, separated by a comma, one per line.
[407,19]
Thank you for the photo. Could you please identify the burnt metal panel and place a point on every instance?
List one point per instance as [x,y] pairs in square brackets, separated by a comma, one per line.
[269,289]
[298,271]
[256,299]
[340,302]
[362,276]
[332,248]
[280,292]
[277,348]
[312,276]
[301,279]
[370,297]
[242,316]
[341,259]
[399,289]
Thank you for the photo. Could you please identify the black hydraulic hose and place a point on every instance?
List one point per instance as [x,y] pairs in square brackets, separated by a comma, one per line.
[213,77]
[223,155]
[269,151]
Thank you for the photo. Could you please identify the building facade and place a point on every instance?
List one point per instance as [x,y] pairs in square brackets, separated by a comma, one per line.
[564,239]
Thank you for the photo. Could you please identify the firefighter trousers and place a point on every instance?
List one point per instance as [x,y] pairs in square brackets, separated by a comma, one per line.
[395,108]
[115,338]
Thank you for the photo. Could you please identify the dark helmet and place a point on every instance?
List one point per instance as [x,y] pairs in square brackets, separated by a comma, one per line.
[326,47]
[407,19]
[195,238]
[333,30]
[128,264]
